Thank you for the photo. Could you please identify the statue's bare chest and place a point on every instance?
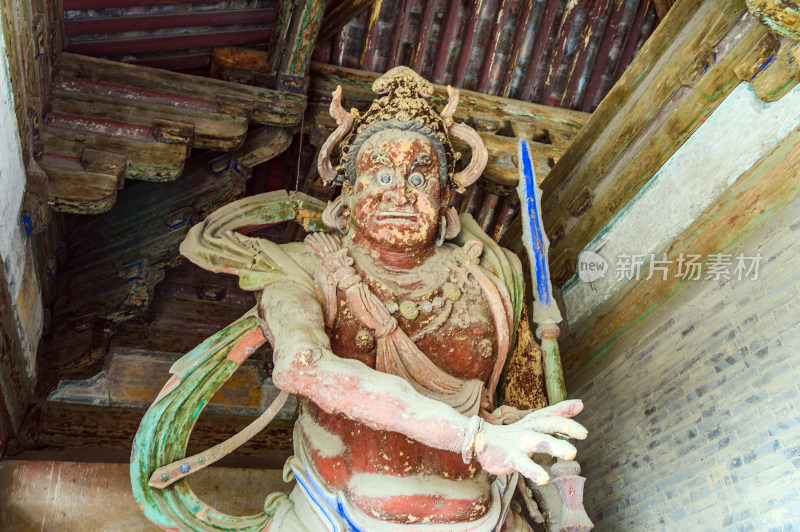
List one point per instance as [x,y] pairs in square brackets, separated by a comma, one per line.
[453,327]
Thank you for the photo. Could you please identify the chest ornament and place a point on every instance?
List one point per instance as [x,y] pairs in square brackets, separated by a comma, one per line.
[396,352]
[410,309]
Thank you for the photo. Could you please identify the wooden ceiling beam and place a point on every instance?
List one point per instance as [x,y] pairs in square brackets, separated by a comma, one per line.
[230,17]
[148,120]
[673,85]
[270,107]
[76,5]
[59,425]
[357,84]
[499,121]
[168,43]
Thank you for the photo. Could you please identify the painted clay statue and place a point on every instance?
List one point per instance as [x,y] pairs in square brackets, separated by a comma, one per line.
[392,328]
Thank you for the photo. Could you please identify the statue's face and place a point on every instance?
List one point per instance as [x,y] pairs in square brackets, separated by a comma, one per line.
[396,197]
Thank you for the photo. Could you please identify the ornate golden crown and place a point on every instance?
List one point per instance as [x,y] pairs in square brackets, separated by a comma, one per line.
[402,99]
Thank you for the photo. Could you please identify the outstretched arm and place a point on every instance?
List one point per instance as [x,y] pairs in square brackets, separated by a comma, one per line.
[306,366]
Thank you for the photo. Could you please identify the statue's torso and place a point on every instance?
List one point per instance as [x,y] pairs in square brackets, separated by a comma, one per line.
[386,470]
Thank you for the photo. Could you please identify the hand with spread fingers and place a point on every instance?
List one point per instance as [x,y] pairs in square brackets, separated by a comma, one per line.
[503,449]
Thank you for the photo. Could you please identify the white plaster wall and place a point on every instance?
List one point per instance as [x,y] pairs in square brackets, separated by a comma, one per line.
[16,250]
[12,182]
[736,135]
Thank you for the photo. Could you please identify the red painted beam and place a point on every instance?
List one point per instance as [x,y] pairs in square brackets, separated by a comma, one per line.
[537,63]
[424,38]
[466,44]
[633,38]
[367,59]
[399,34]
[587,52]
[492,58]
[157,22]
[650,21]
[614,15]
[445,36]
[621,32]
[519,62]
[513,54]
[74,5]
[533,91]
[168,43]
[565,49]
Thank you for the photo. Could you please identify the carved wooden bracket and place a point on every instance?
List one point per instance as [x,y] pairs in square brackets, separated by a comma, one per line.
[758,58]
[780,16]
[782,75]
[172,132]
[106,163]
[235,106]
[771,66]
[774,74]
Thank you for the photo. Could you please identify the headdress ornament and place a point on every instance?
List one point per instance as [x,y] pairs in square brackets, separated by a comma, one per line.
[402,99]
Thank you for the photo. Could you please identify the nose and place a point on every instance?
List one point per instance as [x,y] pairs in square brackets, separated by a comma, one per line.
[400,191]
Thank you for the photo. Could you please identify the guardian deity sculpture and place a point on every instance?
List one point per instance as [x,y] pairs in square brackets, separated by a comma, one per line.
[392,326]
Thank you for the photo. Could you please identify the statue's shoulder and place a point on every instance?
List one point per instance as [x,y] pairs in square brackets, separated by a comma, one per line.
[498,260]
[223,242]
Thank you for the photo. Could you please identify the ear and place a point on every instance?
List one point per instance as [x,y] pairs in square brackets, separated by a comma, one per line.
[334,214]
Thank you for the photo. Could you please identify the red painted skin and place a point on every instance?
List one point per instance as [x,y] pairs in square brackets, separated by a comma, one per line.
[463,346]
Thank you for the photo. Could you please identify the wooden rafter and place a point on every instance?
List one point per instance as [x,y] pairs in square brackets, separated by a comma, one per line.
[339,14]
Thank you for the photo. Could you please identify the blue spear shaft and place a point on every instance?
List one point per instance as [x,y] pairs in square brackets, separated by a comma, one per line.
[545,309]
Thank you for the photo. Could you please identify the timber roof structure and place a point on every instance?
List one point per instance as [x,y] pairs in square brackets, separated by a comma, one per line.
[563,53]
[139,117]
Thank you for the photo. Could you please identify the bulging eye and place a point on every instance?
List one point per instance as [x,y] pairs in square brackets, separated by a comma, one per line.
[416,179]
[384,176]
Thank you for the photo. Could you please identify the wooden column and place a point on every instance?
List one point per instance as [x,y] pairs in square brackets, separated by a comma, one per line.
[296,47]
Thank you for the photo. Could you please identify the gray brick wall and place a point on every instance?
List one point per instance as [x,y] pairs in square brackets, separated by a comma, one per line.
[695,424]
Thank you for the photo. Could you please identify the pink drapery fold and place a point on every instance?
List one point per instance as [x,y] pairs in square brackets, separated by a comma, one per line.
[500,307]
[396,353]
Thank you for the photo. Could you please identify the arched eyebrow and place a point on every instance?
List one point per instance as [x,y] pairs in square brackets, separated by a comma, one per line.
[379,157]
[421,159]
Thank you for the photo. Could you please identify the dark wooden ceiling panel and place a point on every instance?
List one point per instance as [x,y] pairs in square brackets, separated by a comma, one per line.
[562,53]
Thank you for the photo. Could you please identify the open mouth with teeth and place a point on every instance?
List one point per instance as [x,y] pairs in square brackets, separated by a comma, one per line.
[397,216]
